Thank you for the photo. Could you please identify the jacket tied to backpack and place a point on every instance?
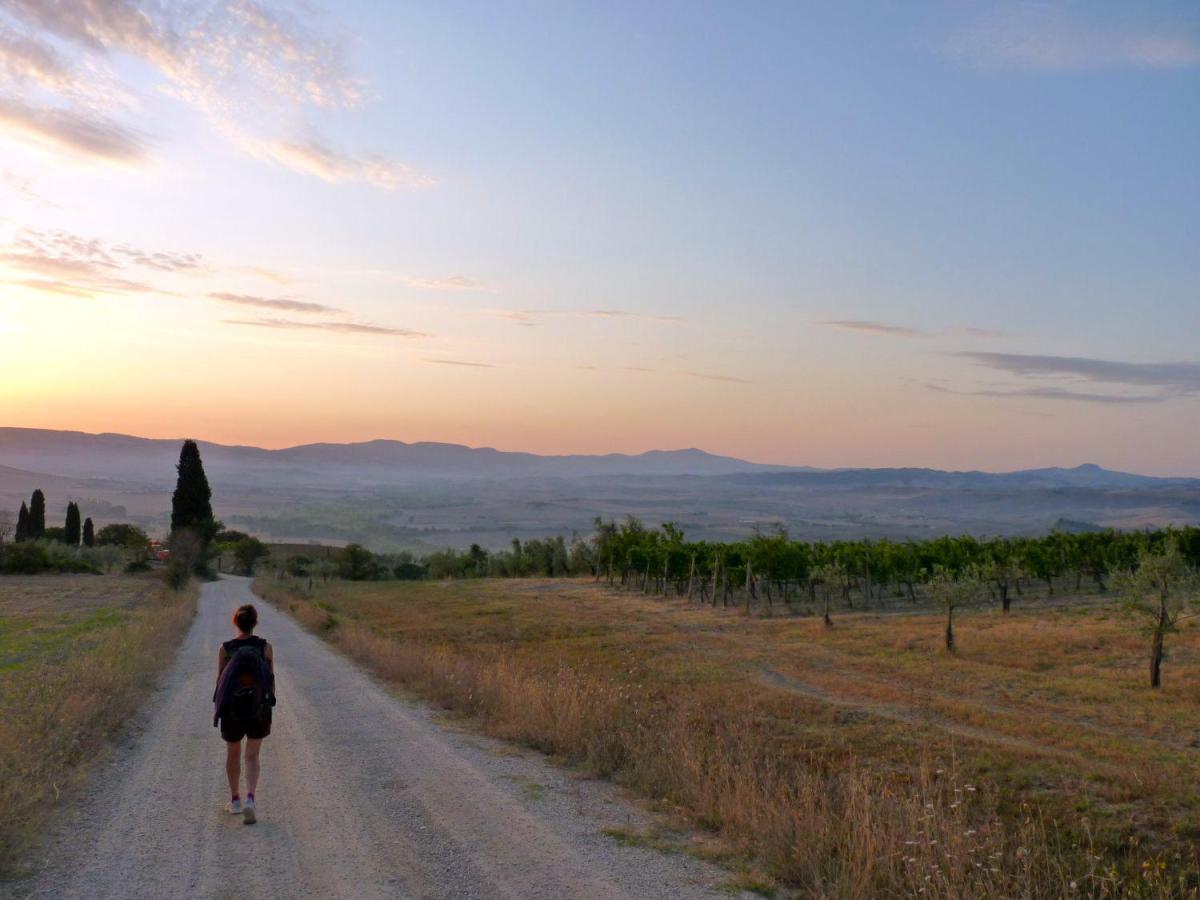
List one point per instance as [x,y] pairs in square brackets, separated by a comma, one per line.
[245,691]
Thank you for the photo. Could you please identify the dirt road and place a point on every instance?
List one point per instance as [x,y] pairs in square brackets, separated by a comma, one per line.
[362,795]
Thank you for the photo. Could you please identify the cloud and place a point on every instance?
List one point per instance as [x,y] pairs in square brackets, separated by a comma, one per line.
[1050,393]
[516,316]
[339,327]
[867,327]
[622,314]
[1023,36]
[25,59]
[205,48]
[282,303]
[315,158]
[1157,381]
[708,376]
[64,255]
[78,132]
[266,274]
[49,286]
[25,187]
[248,67]
[978,332]
[460,362]
[530,317]
[447,283]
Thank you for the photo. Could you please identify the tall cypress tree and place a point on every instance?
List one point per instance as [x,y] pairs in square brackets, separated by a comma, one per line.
[191,504]
[37,515]
[22,523]
[89,533]
[72,527]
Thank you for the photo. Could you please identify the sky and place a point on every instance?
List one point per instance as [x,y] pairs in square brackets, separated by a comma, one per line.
[953,234]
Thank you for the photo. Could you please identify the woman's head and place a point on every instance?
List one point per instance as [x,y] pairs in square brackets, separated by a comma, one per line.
[245,618]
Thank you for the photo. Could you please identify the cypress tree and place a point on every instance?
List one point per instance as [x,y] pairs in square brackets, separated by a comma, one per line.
[37,515]
[89,532]
[22,523]
[191,504]
[71,529]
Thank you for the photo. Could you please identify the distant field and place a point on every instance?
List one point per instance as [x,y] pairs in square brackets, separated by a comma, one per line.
[77,655]
[855,761]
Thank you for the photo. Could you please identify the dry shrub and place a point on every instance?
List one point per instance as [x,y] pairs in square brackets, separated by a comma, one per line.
[60,713]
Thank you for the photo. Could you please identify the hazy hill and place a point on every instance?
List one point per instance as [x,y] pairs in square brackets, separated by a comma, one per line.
[391,494]
[124,458]
[1088,475]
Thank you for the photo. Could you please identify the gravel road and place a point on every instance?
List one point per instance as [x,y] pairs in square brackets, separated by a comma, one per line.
[363,794]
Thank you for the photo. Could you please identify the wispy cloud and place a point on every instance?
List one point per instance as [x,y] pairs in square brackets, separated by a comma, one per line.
[1153,382]
[1051,38]
[247,66]
[624,314]
[50,286]
[885,329]
[286,304]
[267,274]
[447,283]
[26,187]
[80,133]
[978,332]
[531,317]
[460,362]
[516,316]
[99,264]
[867,327]
[338,327]
[710,376]
[315,158]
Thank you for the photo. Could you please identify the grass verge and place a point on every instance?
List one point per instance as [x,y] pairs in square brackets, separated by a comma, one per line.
[78,654]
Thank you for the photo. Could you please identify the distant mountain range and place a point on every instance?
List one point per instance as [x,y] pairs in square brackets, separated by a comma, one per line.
[1088,475]
[120,457]
[124,458]
[394,495]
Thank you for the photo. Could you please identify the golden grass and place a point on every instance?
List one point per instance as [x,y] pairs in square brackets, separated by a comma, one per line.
[77,656]
[860,761]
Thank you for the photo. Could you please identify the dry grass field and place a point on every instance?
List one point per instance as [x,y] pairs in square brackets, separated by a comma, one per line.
[856,761]
[78,653]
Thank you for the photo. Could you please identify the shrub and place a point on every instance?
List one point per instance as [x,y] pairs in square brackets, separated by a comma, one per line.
[122,534]
[247,552]
[357,563]
[409,571]
[32,557]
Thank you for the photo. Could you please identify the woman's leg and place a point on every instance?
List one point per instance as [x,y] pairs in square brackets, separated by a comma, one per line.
[233,765]
[253,747]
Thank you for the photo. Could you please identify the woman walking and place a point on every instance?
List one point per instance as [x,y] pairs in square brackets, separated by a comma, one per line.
[242,703]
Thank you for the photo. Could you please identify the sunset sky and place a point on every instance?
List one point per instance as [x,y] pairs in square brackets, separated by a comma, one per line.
[963,235]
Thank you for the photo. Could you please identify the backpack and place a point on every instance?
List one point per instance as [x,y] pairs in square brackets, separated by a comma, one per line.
[249,701]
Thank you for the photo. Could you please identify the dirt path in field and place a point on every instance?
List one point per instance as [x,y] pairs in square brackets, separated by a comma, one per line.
[896,713]
[362,795]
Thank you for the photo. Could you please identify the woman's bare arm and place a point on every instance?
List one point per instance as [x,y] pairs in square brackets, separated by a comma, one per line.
[222,658]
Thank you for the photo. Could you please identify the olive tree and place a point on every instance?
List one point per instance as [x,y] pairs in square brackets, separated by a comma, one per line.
[953,592]
[1156,593]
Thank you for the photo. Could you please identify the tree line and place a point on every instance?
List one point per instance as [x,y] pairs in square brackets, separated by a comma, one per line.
[1153,572]
[31,524]
[774,568]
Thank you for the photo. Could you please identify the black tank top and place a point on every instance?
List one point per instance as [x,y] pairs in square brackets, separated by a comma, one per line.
[232,647]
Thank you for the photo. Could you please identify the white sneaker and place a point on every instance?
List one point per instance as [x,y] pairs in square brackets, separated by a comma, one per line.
[234,807]
[248,811]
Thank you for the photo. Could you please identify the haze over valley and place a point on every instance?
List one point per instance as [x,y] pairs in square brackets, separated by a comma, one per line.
[391,495]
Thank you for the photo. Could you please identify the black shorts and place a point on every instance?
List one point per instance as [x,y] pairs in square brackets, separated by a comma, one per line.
[233,732]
